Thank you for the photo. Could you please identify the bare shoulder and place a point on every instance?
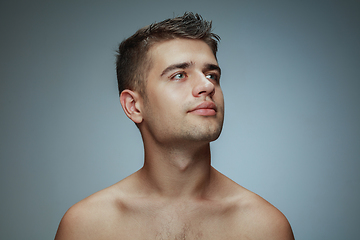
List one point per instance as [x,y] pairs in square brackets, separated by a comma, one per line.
[261,220]
[254,217]
[92,217]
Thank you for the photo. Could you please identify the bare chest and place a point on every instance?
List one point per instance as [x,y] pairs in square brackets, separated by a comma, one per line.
[175,229]
[183,222]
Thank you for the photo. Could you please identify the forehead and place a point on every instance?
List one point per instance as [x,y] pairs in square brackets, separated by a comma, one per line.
[175,51]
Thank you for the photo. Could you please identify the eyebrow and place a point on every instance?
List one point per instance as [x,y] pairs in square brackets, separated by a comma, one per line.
[183,65]
[186,65]
[211,66]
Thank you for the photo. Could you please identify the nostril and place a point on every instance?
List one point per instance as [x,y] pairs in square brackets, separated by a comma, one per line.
[207,92]
[212,92]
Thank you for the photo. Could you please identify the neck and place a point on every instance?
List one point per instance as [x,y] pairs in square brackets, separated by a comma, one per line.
[175,172]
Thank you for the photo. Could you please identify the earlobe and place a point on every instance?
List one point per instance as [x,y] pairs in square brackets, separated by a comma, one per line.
[130,102]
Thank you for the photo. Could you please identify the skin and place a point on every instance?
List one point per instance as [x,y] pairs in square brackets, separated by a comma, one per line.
[177,194]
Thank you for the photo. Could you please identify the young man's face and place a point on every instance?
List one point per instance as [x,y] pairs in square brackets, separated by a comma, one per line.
[183,100]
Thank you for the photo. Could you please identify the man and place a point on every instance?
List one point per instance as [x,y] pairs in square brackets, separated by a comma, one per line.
[169,87]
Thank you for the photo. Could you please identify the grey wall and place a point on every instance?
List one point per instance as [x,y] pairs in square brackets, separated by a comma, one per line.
[291,83]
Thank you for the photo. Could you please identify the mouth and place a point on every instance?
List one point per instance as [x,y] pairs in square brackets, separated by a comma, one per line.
[205,109]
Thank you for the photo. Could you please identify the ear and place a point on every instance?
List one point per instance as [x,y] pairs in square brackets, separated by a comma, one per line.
[131,104]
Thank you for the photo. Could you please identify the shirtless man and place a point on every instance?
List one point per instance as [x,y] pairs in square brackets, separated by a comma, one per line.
[169,87]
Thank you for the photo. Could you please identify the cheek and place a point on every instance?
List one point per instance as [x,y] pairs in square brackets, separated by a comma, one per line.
[219,97]
[168,99]
[172,97]
[163,103]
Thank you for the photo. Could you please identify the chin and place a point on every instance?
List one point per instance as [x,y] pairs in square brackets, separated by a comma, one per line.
[206,135]
[214,136]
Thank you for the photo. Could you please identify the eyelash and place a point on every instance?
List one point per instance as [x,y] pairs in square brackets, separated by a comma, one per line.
[173,77]
[215,78]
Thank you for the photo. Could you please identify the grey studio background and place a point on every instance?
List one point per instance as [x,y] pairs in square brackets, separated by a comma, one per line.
[292,124]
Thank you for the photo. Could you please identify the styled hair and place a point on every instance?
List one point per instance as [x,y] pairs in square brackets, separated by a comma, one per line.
[132,62]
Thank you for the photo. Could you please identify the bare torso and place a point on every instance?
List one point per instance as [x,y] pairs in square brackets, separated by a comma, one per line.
[121,212]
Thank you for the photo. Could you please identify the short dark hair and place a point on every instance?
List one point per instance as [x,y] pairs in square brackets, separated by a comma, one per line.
[132,62]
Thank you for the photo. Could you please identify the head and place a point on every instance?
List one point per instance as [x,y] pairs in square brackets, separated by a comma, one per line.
[133,62]
[169,81]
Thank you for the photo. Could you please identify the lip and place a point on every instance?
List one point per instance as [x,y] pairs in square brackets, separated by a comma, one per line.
[205,109]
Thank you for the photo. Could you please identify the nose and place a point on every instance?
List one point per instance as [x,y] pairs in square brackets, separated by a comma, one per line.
[203,86]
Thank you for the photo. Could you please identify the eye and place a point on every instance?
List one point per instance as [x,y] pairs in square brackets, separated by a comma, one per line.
[179,76]
[213,76]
